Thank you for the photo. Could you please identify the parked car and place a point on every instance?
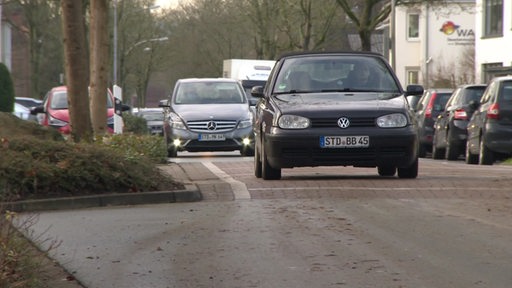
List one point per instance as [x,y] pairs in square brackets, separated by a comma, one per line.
[207,114]
[430,105]
[56,113]
[490,127]
[154,119]
[450,127]
[23,112]
[28,102]
[334,109]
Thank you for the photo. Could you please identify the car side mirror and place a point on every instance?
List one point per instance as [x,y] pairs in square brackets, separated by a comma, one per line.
[164,103]
[414,90]
[37,109]
[257,91]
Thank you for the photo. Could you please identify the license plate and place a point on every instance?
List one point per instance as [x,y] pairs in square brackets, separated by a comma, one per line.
[344,141]
[212,137]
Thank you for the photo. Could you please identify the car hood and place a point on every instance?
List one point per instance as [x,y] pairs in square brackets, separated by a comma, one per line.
[63,114]
[197,112]
[336,103]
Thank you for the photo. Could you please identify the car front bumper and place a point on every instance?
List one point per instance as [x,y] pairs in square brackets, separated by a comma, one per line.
[394,147]
[233,140]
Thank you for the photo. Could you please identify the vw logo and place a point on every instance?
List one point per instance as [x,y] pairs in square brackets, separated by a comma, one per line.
[211,126]
[343,122]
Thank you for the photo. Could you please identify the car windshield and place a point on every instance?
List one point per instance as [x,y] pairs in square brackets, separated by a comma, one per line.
[60,101]
[152,116]
[342,73]
[209,92]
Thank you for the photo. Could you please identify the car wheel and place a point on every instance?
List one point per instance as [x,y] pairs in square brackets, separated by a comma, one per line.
[267,171]
[172,152]
[247,151]
[452,151]
[422,151]
[410,171]
[437,153]
[386,170]
[470,157]
[257,161]
[486,156]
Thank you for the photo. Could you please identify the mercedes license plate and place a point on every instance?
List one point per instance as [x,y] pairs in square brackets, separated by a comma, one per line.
[212,137]
[344,141]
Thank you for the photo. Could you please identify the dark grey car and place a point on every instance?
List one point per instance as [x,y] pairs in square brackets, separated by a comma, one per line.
[450,127]
[321,109]
[490,127]
[207,114]
[430,105]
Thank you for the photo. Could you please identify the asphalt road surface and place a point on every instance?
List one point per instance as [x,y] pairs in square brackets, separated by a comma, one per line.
[317,227]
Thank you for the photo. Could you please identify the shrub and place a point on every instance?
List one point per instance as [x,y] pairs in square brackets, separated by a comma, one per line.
[134,124]
[6,90]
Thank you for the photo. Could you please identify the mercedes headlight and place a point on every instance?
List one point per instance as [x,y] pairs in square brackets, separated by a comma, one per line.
[245,123]
[176,122]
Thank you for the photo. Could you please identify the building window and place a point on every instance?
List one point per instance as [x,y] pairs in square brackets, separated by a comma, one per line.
[412,76]
[493,18]
[413,26]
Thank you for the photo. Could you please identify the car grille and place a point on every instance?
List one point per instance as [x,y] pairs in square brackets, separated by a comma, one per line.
[211,125]
[333,122]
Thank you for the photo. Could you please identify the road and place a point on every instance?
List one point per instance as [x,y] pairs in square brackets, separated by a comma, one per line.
[317,227]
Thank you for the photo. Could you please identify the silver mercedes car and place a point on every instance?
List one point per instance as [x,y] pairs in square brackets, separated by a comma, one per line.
[207,114]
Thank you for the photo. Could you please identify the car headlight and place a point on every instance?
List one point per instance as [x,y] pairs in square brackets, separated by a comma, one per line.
[392,121]
[56,122]
[293,122]
[176,122]
[245,123]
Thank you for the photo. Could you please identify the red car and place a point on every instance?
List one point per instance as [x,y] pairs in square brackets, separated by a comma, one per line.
[55,112]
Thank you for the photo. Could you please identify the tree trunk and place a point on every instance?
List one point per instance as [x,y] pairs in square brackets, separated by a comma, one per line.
[76,69]
[99,44]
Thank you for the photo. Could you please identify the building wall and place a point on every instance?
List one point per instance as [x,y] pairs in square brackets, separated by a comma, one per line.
[443,47]
[493,50]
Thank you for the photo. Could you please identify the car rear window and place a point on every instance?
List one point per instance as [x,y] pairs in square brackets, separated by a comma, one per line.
[440,100]
[473,94]
[506,91]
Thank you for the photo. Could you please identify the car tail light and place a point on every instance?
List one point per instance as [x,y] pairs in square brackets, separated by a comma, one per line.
[430,106]
[460,114]
[493,112]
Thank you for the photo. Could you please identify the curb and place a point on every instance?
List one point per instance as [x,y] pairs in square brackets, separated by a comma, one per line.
[190,194]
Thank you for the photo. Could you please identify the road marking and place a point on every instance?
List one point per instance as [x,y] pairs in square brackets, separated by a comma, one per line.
[239,189]
[383,188]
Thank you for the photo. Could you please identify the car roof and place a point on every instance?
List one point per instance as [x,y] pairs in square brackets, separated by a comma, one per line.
[502,78]
[472,85]
[322,53]
[192,80]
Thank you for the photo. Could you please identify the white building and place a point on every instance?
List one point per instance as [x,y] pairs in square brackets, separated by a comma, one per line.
[493,54]
[434,44]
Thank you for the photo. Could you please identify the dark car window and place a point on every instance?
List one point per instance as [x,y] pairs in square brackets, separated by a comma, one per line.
[440,101]
[506,92]
[343,73]
[473,94]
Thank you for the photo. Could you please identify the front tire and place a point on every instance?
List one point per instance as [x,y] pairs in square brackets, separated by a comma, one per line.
[470,157]
[486,156]
[437,153]
[267,171]
[257,161]
[410,171]
[386,171]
